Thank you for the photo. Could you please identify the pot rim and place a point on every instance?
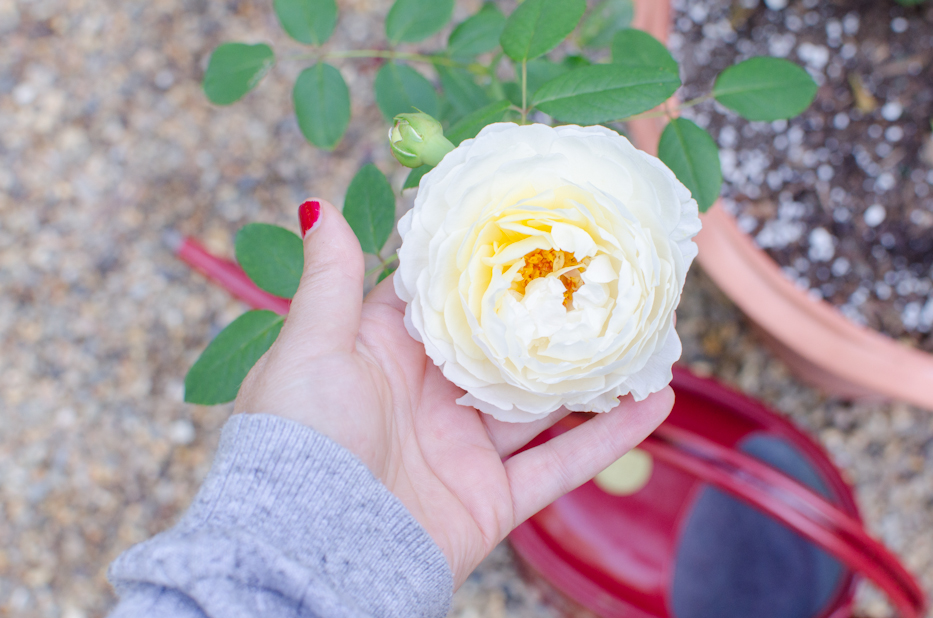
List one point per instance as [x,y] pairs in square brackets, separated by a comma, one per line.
[820,344]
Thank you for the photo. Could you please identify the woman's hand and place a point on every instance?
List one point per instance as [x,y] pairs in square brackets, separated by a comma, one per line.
[348,368]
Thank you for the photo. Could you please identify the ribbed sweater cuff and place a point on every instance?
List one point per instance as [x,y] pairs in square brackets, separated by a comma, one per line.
[302,500]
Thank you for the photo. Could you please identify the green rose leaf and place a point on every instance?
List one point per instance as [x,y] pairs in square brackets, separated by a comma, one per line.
[576,61]
[217,374]
[540,72]
[415,20]
[636,48]
[388,270]
[692,155]
[605,92]
[477,34]
[322,105]
[463,94]
[369,208]
[401,90]
[272,257]
[307,21]
[513,92]
[607,18]
[415,176]
[538,26]
[471,124]
[764,88]
[234,69]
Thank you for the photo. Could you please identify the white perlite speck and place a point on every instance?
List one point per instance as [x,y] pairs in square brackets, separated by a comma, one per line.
[778,234]
[874,215]
[850,23]
[885,182]
[822,245]
[910,316]
[894,134]
[815,56]
[892,110]
[841,267]
[779,45]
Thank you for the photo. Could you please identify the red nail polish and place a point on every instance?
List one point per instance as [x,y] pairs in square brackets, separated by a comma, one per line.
[308,214]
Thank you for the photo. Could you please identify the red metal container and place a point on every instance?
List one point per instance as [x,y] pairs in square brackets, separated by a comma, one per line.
[659,553]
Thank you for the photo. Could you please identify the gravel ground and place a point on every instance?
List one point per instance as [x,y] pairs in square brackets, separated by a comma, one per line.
[106,142]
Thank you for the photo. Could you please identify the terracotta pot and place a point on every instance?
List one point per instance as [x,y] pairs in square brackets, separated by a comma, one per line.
[819,344]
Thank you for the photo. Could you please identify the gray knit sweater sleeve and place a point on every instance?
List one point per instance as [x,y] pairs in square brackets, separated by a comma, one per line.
[287,524]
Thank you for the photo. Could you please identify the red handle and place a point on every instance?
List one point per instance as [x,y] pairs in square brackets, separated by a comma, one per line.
[791,503]
[229,276]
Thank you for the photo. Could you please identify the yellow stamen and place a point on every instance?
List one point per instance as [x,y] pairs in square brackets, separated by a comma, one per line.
[541,263]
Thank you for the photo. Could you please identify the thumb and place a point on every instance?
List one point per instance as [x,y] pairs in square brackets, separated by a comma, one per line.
[325,311]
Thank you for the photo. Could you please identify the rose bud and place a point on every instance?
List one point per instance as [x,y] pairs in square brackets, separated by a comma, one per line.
[418,139]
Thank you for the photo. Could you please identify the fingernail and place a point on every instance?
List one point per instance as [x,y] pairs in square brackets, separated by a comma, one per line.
[308,214]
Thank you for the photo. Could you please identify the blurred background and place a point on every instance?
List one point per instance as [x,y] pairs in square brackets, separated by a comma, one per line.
[106,144]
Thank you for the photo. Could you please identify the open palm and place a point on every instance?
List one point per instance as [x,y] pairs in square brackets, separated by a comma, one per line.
[349,369]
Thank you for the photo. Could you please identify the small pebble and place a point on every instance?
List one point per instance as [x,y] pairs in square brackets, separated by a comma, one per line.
[164,79]
[181,432]
[24,94]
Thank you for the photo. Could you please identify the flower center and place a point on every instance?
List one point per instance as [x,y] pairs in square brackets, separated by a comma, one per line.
[542,263]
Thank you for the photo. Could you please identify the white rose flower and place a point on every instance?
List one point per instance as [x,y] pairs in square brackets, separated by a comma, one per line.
[541,268]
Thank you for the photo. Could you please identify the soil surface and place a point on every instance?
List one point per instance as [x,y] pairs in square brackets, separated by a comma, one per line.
[841,196]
